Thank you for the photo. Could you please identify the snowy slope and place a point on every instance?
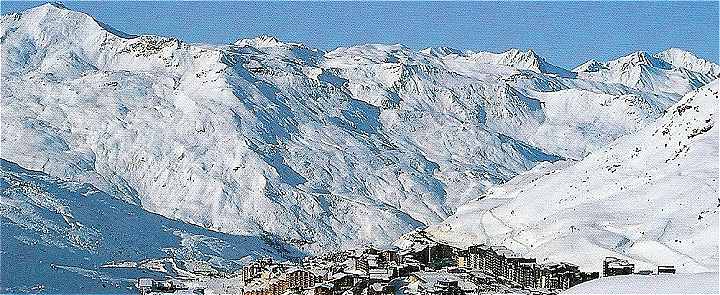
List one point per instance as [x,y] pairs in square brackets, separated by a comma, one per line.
[481,90]
[700,283]
[671,71]
[650,197]
[684,59]
[191,133]
[323,149]
[66,237]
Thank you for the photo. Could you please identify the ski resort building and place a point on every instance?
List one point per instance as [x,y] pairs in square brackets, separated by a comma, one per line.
[665,269]
[613,266]
[299,279]
[508,265]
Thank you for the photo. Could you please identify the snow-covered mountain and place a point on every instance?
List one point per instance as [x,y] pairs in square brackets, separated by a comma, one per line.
[683,59]
[66,237]
[650,197]
[671,71]
[322,149]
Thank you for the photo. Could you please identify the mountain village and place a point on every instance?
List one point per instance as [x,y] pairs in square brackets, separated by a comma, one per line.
[428,269]
[151,164]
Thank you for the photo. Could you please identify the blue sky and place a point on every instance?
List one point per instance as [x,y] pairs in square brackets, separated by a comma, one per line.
[565,33]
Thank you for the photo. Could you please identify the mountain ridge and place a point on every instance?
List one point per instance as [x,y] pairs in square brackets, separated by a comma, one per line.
[71,237]
[632,200]
[270,137]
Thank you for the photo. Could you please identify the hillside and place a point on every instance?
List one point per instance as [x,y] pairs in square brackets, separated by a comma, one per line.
[323,150]
[650,197]
[66,237]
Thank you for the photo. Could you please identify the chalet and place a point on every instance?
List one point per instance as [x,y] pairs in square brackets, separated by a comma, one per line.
[433,254]
[254,269]
[497,260]
[144,285]
[406,269]
[147,286]
[438,253]
[586,276]
[382,275]
[462,258]
[358,264]
[373,260]
[614,267]
[342,281]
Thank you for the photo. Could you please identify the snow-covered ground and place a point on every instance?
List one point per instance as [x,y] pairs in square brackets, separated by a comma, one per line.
[697,283]
[650,197]
[66,237]
[324,150]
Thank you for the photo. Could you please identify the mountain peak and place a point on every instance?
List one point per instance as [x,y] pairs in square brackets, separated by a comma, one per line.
[519,54]
[55,16]
[521,59]
[532,61]
[268,39]
[441,51]
[56,4]
[262,41]
[639,58]
[49,6]
[684,59]
[590,66]
[675,50]
[55,9]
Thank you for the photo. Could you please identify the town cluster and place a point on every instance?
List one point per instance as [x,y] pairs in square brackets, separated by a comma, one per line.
[430,269]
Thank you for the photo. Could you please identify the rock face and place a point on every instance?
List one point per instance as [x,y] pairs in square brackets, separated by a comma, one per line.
[650,197]
[325,150]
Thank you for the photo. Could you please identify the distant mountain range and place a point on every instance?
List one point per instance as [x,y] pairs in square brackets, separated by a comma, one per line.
[359,145]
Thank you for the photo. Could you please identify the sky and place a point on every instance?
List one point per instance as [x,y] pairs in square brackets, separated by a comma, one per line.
[565,33]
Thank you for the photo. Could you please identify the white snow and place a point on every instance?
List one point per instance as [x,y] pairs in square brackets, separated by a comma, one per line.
[69,237]
[667,72]
[325,150]
[698,283]
[684,59]
[650,197]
